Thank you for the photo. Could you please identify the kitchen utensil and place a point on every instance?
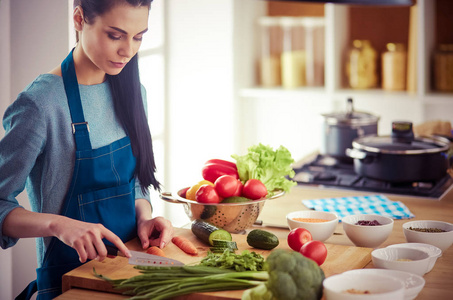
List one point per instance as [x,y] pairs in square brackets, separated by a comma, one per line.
[441,240]
[233,217]
[403,259]
[400,157]
[340,129]
[351,286]
[320,231]
[144,259]
[413,283]
[433,251]
[367,236]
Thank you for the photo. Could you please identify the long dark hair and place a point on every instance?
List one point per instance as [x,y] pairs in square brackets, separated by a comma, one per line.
[127,98]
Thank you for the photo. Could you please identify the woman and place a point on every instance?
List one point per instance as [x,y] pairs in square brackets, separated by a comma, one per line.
[78,139]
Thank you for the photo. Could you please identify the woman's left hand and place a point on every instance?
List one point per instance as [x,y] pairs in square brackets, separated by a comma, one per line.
[155,232]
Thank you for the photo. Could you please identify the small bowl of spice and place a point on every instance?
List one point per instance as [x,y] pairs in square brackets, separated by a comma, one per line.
[321,224]
[433,251]
[401,258]
[436,233]
[369,286]
[367,230]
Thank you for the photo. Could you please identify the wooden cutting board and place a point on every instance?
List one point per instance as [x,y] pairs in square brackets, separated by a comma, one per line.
[340,258]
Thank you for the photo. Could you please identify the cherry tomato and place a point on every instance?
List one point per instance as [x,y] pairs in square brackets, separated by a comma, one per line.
[226,185]
[239,188]
[315,250]
[207,194]
[298,237]
[254,189]
[212,171]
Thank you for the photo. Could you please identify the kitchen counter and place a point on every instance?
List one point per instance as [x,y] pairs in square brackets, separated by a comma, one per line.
[439,281]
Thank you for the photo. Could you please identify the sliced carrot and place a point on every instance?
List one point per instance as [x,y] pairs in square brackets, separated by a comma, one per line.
[155,251]
[185,245]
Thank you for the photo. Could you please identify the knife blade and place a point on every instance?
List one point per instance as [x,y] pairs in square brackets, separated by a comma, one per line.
[144,259]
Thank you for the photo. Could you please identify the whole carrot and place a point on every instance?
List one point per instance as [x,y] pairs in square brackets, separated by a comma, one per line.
[155,251]
[185,245]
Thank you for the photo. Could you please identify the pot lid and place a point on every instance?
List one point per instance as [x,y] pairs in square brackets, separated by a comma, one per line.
[350,117]
[392,145]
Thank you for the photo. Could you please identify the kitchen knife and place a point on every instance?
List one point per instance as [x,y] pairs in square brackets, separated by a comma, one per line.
[144,259]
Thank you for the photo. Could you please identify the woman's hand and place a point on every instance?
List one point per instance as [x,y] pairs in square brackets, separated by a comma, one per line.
[155,232]
[86,238]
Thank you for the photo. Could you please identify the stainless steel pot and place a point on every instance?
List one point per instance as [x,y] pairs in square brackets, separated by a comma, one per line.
[400,157]
[341,129]
[233,217]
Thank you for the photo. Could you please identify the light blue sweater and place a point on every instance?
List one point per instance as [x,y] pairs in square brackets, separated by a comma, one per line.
[38,149]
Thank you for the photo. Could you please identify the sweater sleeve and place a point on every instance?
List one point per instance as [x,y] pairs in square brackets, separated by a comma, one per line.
[24,140]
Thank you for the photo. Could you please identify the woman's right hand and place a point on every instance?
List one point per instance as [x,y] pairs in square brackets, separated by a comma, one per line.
[86,238]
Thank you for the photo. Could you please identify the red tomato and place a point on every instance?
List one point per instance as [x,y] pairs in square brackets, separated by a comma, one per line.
[226,185]
[298,237]
[212,171]
[239,188]
[207,194]
[254,189]
[315,250]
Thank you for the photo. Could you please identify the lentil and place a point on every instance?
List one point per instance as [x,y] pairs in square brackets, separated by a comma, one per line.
[426,229]
[310,220]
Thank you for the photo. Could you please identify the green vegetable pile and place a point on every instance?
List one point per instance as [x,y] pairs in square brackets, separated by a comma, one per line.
[246,261]
[269,166]
[288,275]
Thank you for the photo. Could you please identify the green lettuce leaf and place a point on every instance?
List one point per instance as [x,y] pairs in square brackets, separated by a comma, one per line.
[271,167]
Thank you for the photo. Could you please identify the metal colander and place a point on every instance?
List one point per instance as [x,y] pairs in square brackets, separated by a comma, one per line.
[233,217]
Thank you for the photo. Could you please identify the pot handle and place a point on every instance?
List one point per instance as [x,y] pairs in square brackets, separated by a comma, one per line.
[364,157]
[166,196]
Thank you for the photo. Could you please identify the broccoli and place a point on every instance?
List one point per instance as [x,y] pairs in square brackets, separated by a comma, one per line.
[291,276]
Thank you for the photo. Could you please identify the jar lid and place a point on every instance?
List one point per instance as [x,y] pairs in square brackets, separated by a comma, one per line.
[390,145]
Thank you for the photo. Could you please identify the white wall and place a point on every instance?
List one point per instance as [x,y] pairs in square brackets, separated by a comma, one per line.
[6,282]
[36,35]
[200,89]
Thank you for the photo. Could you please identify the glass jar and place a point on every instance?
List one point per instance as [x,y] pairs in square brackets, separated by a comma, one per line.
[394,62]
[270,51]
[443,68]
[293,53]
[361,68]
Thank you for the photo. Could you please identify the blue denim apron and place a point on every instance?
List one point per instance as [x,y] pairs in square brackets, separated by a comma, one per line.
[102,191]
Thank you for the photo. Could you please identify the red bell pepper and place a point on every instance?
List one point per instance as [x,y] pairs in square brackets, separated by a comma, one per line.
[214,168]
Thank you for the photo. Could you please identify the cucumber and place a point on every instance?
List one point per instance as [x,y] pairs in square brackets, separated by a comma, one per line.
[225,244]
[262,239]
[207,232]
[236,199]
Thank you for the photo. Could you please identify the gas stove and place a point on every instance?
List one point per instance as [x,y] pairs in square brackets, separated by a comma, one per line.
[329,172]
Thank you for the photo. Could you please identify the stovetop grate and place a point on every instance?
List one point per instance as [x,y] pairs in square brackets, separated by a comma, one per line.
[329,172]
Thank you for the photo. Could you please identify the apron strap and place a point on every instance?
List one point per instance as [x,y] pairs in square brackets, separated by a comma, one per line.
[80,128]
[28,292]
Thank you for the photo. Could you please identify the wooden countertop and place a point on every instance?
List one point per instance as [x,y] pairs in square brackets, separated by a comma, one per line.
[439,282]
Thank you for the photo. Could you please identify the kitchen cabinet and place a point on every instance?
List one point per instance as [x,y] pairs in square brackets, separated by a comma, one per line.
[292,116]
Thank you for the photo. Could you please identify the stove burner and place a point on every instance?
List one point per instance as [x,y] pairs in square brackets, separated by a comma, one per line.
[330,172]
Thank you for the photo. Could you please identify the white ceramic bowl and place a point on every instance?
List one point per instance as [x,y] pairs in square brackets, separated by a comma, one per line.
[389,258]
[433,252]
[319,231]
[367,236]
[441,240]
[413,283]
[379,287]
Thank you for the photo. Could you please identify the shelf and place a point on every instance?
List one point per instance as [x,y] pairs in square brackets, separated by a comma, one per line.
[259,92]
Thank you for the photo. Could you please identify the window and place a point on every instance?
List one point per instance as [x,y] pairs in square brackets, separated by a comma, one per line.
[152,76]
